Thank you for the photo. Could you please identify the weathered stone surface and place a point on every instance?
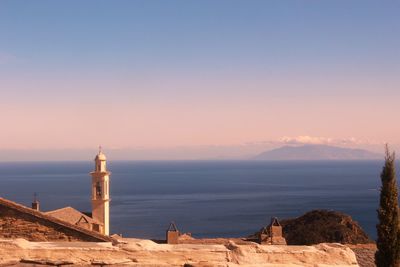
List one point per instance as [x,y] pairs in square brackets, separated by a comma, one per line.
[47,262]
[111,262]
[138,252]
[10,263]
[365,254]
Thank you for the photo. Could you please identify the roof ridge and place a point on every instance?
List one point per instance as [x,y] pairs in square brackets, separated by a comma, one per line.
[56,212]
[67,207]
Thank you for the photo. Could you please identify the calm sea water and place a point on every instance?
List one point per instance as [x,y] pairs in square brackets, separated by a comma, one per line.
[206,198]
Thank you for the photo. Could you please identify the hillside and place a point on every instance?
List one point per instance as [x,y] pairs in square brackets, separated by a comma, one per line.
[320,226]
[317,152]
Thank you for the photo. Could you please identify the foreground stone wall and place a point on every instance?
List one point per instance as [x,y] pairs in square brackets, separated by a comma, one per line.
[145,253]
[16,224]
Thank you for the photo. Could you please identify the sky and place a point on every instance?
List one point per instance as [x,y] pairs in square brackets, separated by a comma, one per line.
[186,79]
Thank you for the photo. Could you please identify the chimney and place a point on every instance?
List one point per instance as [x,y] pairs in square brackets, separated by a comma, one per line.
[35,203]
[172,234]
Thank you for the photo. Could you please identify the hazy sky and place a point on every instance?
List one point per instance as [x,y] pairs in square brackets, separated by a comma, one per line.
[163,74]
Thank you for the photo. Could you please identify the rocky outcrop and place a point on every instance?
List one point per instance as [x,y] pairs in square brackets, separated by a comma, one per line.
[323,226]
[144,253]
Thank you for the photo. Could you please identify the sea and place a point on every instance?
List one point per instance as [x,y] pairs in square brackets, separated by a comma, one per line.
[205,198]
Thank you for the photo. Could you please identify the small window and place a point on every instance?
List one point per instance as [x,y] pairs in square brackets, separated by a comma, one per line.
[98,189]
[96,227]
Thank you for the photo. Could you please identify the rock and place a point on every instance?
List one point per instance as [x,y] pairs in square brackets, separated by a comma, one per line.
[47,262]
[365,254]
[10,263]
[323,226]
[111,262]
[185,236]
[201,264]
[146,253]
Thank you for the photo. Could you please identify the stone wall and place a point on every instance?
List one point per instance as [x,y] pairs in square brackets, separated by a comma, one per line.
[17,224]
[145,253]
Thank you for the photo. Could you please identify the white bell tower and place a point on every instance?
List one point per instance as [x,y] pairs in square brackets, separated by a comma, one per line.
[101,193]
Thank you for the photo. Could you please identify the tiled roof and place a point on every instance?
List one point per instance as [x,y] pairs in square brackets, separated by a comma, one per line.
[71,215]
[41,215]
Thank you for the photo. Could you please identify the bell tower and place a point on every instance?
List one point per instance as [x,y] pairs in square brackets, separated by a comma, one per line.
[101,193]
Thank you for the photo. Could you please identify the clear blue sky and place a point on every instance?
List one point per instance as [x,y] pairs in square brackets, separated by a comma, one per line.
[145,66]
[191,36]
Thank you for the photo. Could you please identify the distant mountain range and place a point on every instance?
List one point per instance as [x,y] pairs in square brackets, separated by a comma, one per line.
[317,152]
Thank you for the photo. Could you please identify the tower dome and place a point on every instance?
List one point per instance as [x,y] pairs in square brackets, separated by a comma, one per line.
[100,155]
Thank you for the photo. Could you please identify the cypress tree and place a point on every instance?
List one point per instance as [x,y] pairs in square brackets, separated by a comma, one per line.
[388,253]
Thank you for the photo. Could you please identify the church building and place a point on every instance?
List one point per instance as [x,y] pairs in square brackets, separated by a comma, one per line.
[99,219]
[18,221]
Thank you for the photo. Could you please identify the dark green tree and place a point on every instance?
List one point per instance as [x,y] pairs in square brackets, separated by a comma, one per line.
[388,253]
